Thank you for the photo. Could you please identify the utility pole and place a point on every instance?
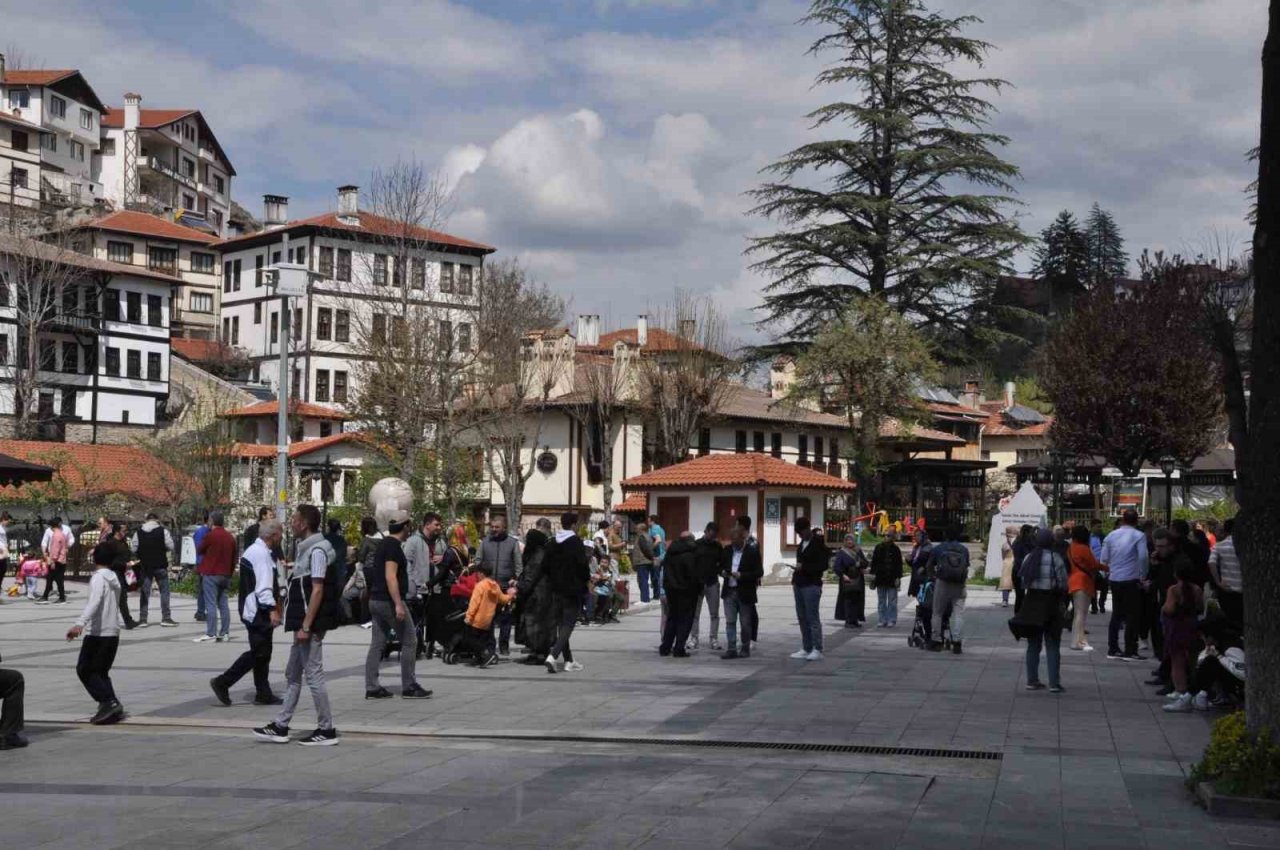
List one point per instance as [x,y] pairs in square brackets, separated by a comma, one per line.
[282,395]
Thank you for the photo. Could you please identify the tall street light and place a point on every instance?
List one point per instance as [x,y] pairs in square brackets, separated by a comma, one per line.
[1168,464]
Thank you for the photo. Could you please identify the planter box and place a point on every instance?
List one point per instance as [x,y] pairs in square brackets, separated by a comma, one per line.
[1226,806]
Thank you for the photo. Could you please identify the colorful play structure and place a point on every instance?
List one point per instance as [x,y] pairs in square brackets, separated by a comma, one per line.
[874,519]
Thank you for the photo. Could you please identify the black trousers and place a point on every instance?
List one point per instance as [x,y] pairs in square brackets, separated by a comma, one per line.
[12,687]
[124,595]
[1127,601]
[256,658]
[57,573]
[1101,586]
[97,654]
[680,607]
[1232,607]
[569,608]
[1155,599]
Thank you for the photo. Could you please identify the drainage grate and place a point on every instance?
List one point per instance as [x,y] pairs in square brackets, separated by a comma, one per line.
[785,746]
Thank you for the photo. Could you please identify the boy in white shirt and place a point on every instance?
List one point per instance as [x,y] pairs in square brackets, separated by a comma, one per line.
[100,625]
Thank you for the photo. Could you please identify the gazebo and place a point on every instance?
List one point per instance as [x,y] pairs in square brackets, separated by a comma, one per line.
[722,487]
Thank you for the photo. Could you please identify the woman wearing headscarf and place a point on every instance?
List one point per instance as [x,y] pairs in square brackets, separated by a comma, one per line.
[535,613]
[1044,583]
[851,600]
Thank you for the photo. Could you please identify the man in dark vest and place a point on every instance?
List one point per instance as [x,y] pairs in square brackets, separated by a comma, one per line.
[152,544]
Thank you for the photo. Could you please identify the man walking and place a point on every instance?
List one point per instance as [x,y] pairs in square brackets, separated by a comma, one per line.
[706,572]
[886,571]
[812,558]
[121,561]
[260,612]
[217,553]
[1124,554]
[12,688]
[197,537]
[501,553]
[1224,565]
[642,555]
[388,610]
[743,569]
[100,625]
[568,571]
[682,588]
[949,565]
[153,544]
[311,609]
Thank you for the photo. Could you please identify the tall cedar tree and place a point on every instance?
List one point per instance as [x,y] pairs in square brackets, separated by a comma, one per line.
[1119,389]
[910,207]
[1062,257]
[1107,259]
[1258,464]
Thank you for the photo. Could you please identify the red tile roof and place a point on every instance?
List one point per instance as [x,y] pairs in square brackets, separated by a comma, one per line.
[370,225]
[998,425]
[148,119]
[894,430]
[657,339]
[53,76]
[100,470]
[959,411]
[296,408]
[634,503]
[736,470]
[200,350]
[145,224]
[302,447]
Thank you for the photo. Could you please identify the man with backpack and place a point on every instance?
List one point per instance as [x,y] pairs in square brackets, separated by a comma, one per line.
[949,566]
[311,609]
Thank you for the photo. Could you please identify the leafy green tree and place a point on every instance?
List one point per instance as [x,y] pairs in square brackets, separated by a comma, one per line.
[1107,259]
[910,205]
[866,364]
[1061,259]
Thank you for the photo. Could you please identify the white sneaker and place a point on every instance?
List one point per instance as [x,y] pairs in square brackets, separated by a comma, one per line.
[368,625]
[573,667]
[1180,704]
[692,644]
[1201,701]
[816,655]
[800,655]
[203,639]
[1145,646]
[553,664]
[1087,648]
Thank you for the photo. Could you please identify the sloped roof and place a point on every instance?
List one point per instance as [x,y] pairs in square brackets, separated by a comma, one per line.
[892,430]
[296,408]
[200,350]
[155,119]
[635,503]
[736,470]
[743,402]
[145,224]
[302,448]
[68,81]
[99,469]
[999,424]
[15,121]
[373,226]
[56,254]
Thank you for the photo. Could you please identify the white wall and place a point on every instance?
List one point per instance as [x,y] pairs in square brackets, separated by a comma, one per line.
[769,533]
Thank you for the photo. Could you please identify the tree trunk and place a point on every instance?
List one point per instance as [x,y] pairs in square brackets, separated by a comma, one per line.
[1259,466]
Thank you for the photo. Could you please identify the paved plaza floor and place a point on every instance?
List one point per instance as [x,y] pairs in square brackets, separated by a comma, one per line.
[634,751]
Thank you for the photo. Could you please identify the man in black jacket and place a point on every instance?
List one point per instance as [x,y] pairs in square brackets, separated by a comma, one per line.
[682,587]
[742,568]
[568,571]
[12,687]
[886,570]
[706,572]
[812,560]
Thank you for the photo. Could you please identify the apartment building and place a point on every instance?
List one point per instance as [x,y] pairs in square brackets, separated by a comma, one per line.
[165,161]
[20,163]
[358,287]
[166,247]
[101,370]
[68,115]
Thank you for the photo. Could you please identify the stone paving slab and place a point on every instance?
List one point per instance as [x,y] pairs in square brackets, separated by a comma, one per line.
[1098,767]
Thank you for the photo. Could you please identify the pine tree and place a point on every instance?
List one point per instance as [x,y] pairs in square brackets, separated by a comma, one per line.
[911,205]
[1062,259]
[1107,259]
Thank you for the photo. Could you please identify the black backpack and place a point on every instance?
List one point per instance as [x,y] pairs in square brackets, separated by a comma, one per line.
[951,565]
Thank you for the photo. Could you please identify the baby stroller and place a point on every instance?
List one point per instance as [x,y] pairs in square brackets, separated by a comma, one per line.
[922,628]
[453,646]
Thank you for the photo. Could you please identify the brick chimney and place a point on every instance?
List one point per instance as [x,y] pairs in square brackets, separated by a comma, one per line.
[972,395]
[349,204]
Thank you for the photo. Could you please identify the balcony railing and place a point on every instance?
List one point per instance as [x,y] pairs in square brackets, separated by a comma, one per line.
[164,168]
[75,321]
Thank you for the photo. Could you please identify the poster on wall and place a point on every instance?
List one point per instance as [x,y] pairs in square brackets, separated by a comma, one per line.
[1128,494]
[772,511]
[1025,508]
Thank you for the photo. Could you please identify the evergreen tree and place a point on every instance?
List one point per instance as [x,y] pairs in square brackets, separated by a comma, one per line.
[911,205]
[1062,259]
[1107,259]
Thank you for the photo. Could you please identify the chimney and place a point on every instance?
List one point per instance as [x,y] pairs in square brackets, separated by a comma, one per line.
[1008,394]
[972,395]
[349,204]
[686,329]
[275,211]
[588,330]
[132,111]
[642,331]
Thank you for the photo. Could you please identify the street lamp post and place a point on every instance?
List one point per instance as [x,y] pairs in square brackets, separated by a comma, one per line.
[1061,462]
[1167,464]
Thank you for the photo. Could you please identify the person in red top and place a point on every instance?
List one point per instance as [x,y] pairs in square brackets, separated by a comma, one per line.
[218,558]
[1084,566]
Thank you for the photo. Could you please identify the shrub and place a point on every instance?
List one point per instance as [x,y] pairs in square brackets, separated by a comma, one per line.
[1239,763]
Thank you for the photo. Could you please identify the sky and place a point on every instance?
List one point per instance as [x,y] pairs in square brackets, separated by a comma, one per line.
[609,143]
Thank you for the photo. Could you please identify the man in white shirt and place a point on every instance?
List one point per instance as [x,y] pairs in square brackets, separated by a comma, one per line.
[260,611]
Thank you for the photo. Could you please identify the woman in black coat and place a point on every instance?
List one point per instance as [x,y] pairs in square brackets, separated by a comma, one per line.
[535,611]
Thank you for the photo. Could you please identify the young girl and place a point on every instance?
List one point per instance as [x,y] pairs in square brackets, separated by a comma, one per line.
[30,571]
[1182,604]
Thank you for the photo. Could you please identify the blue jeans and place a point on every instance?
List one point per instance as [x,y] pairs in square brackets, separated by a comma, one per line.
[1051,657]
[887,604]
[161,579]
[647,576]
[736,610]
[808,598]
[213,590]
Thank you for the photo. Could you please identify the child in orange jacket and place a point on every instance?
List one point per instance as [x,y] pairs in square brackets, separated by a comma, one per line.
[485,599]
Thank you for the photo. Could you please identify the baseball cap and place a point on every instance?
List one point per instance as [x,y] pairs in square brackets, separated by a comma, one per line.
[396,520]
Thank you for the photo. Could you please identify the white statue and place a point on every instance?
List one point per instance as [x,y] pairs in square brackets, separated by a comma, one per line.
[388,495]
